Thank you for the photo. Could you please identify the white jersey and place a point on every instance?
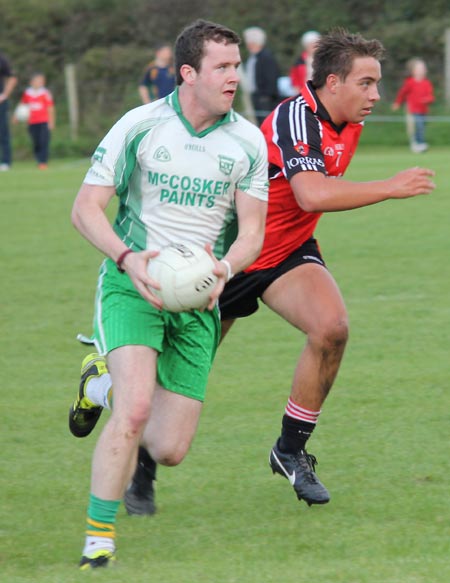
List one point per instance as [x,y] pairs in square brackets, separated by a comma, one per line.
[177,185]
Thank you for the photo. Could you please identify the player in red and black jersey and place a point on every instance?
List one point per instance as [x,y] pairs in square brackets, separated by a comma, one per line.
[301,137]
[311,140]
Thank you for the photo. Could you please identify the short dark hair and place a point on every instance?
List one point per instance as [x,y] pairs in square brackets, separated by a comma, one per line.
[161,45]
[336,51]
[190,44]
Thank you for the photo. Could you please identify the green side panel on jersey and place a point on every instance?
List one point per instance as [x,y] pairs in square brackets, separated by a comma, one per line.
[227,235]
[254,155]
[128,224]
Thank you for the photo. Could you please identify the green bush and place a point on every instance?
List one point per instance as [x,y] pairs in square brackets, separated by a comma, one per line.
[111,42]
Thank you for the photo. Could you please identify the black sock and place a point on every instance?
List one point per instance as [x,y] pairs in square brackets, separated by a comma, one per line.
[147,463]
[294,434]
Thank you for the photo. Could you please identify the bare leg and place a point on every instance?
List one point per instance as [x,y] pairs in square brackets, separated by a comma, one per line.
[171,427]
[226,325]
[308,298]
[167,438]
[173,422]
[133,373]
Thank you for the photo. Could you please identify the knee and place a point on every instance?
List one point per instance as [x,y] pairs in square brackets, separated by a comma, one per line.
[168,454]
[135,418]
[171,459]
[332,335]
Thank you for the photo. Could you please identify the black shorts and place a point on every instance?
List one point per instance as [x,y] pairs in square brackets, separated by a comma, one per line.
[240,296]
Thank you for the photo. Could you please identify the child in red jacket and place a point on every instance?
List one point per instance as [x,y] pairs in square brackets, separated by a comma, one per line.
[417,92]
[41,118]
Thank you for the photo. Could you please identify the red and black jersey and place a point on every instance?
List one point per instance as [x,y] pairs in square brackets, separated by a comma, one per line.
[301,138]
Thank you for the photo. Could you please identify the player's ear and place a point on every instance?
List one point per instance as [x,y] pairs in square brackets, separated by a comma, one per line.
[332,82]
[188,73]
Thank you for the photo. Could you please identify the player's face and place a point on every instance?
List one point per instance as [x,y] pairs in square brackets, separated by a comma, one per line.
[357,95]
[217,80]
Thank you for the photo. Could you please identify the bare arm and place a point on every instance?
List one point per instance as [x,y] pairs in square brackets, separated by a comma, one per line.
[89,218]
[144,94]
[51,117]
[10,83]
[247,246]
[316,192]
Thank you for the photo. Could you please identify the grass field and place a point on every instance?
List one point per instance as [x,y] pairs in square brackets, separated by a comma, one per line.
[382,441]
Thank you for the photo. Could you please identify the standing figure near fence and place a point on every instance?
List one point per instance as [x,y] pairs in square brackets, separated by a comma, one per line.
[159,77]
[41,120]
[7,83]
[302,70]
[261,73]
[417,93]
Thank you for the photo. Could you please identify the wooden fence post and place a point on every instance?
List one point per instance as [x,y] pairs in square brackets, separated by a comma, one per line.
[72,99]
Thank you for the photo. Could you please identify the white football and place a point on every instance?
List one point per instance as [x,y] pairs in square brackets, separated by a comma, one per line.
[22,112]
[185,274]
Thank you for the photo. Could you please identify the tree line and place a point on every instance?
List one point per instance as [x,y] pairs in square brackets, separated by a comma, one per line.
[111,41]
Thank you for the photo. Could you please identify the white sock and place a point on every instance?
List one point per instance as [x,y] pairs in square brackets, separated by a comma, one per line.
[97,390]
[98,543]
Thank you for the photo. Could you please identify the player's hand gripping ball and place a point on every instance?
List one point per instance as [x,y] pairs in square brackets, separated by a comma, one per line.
[185,274]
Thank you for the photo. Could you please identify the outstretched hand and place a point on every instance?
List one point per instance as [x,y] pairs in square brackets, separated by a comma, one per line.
[412,182]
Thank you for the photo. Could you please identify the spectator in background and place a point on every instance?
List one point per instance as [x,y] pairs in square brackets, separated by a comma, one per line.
[7,83]
[417,92]
[41,120]
[261,73]
[159,77]
[301,72]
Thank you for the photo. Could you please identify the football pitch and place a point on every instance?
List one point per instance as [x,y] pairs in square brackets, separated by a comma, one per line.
[382,441]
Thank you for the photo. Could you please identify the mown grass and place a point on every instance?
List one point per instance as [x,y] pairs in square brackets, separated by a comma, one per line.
[382,441]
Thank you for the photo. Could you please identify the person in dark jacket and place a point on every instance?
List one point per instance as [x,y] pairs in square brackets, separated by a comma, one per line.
[8,81]
[261,73]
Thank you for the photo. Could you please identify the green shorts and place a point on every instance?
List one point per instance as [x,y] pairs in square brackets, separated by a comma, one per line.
[187,341]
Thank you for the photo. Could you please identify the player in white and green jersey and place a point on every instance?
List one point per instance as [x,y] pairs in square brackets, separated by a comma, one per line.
[171,178]
[185,169]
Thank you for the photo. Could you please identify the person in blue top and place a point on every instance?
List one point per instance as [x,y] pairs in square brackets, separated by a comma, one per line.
[159,77]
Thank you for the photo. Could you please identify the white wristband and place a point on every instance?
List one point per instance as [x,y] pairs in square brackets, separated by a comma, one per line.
[230,274]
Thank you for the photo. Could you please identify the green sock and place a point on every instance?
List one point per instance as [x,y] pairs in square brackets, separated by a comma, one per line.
[101,516]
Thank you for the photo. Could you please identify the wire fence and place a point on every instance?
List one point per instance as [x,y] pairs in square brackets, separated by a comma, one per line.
[377,118]
[398,118]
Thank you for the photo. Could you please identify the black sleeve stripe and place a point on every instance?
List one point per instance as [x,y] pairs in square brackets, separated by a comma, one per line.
[300,121]
[294,122]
